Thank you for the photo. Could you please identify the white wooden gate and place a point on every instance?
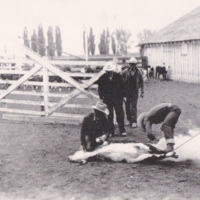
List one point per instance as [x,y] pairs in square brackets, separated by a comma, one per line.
[45,105]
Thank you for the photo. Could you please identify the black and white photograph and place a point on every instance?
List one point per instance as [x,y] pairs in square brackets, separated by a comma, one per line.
[99,100]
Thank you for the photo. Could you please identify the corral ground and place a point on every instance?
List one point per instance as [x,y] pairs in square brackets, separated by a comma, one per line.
[34,158]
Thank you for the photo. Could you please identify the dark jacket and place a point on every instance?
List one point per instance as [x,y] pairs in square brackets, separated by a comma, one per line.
[139,81]
[111,89]
[93,129]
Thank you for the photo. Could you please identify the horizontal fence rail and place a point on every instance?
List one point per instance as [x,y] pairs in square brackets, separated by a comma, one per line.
[54,62]
[72,74]
[38,93]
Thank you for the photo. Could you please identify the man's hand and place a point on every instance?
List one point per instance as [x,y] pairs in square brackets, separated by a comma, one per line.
[82,148]
[101,139]
[142,95]
[151,137]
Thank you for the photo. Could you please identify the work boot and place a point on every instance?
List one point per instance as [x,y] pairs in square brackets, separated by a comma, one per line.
[170,147]
[124,134]
[128,123]
[134,125]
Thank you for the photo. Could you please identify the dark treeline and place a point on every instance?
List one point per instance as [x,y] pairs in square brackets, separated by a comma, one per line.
[117,42]
[38,42]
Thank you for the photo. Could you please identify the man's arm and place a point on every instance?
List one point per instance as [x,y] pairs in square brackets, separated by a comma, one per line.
[105,134]
[124,75]
[148,127]
[141,82]
[84,130]
[106,130]
[122,83]
[149,130]
[100,88]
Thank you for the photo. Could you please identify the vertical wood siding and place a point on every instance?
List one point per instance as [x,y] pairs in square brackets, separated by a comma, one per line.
[182,57]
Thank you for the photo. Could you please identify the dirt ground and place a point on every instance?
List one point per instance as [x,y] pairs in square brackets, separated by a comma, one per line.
[34,158]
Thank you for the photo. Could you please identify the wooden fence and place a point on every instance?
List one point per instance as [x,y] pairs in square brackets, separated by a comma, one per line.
[47,104]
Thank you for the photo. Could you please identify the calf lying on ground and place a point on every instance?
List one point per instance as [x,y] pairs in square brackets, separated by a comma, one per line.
[120,152]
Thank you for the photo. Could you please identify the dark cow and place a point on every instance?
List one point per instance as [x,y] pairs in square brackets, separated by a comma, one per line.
[6,77]
[55,79]
[9,77]
[98,69]
[161,70]
[36,78]
[88,69]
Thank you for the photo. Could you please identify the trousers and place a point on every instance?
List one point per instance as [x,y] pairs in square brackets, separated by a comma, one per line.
[116,106]
[169,123]
[131,107]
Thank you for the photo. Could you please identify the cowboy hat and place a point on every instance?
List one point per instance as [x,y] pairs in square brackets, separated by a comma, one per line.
[109,66]
[140,122]
[132,60]
[101,107]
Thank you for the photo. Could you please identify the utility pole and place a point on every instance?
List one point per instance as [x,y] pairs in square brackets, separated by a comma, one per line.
[86,44]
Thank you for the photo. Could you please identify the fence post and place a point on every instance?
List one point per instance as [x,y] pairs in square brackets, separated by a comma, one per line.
[46,91]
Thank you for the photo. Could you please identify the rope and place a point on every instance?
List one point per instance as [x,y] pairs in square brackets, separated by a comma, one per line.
[186,141]
[47,47]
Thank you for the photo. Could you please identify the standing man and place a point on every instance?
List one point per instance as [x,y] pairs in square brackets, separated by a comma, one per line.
[165,113]
[94,130]
[133,81]
[111,91]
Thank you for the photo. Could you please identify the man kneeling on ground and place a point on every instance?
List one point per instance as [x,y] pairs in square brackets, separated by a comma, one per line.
[94,130]
[165,113]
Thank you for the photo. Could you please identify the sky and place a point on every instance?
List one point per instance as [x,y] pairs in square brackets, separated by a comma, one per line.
[72,15]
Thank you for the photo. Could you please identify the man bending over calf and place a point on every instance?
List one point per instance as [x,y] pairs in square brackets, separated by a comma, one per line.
[165,113]
[94,130]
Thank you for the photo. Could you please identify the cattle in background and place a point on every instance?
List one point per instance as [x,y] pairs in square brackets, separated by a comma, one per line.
[147,67]
[161,71]
[92,69]
[58,79]
[6,77]
[36,78]
[145,71]
[88,69]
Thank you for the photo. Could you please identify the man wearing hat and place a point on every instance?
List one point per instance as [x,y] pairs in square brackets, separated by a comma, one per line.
[111,91]
[133,81]
[94,130]
[165,113]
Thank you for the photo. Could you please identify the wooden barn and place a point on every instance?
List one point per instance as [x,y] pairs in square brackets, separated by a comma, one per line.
[177,46]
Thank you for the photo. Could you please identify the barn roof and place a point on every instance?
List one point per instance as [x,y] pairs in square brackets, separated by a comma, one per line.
[185,28]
